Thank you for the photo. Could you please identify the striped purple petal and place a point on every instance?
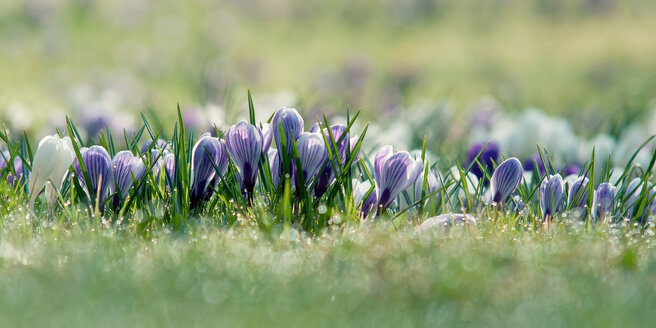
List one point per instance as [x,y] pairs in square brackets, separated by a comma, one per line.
[505,179]
[127,170]
[208,152]
[292,125]
[395,172]
[578,193]
[551,195]
[603,201]
[274,165]
[244,145]
[312,152]
[98,164]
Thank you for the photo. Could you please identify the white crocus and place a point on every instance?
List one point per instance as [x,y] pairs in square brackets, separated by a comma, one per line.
[52,159]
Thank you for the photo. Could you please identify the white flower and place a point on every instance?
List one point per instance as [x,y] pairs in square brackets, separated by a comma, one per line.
[52,159]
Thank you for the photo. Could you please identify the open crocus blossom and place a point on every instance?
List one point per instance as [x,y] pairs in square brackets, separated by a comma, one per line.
[603,201]
[578,193]
[52,159]
[127,169]
[505,179]
[395,172]
[292,126]
[551,196]
[244,145]
[98,164]
[312,153]
[360,190]
[208,152]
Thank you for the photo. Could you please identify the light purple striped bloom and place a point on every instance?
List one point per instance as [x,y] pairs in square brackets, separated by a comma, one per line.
[128,169]
[433,184]
[207,150]
[360,190]
[312,152]
[578,193]
[244,145]
[603,201]
[551,195]
[292,126]
[274,165]
[505,179]
[267,136]
[169,169]
[18,168]
[395,172]
[327,175]
[98,164]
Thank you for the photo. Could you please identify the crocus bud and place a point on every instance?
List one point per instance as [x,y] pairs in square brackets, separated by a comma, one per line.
[169,168]
[98,164]
[578,193]
[395,172]
[603,201]
[52,159]
[360,190]
[312,152]
[505,179]
[207,152]
[488,157]
[267,136]
[244,145]
[551,195]
[274,165]
[327,174]
[292,126]
[127,169]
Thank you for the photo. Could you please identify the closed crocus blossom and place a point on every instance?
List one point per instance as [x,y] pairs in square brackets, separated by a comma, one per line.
[603,201]
[208,152]
[244,145]
[292,126]
[395,172]
[433,184]
[551,196]
[327,174]
[312,153]
[52,159]
[578,193]
[267,136]
[13,179]
[98,164]
[360,190]
[127,169]
[505,179]
[169,168]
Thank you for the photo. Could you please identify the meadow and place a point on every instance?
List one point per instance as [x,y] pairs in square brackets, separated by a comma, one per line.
[283,163]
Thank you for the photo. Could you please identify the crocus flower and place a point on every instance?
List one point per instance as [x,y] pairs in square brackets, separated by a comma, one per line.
[433,184]
[208,152]
[244,145]
[395,172]
[604,198]
[578,193]
[534,161]
[17,167]
[52,159]
[505,179]
[127,169]
[551,195]
[267,136]
[312,153]
[292,125]
[327,175]
[488,157]
[274,165]
[169,168]
[98,164]
[360,190]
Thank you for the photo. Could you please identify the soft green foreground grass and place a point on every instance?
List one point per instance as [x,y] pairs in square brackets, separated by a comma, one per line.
[87,274]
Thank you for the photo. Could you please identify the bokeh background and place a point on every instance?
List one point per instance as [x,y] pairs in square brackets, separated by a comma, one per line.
[438,62]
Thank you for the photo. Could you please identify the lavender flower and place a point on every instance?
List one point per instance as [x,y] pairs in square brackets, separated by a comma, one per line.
[551,196]
[267,136]
[207,152]
[127,169]
[292,126]
[488,157]
[274,165]
[98,164]
[327,175]
[244,145]
[14,180]
[312,153]
[505,179]
[602,203]
[395,172]
[169,169]
[578,193]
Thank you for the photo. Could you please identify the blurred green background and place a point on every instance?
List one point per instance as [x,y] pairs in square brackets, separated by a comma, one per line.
[574,58]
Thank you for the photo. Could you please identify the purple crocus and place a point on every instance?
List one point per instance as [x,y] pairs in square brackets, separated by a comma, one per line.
[360,190]
[488,157]
[274,165]
[327,174]
[208,152]
[551,196]
[98,164]
[244,145]
[505,179]
[127,170]
[313,154]
[292,125]
[532,162]
[17,167]
[602,203]
[169,169]
[578,193]
[395,172]
[267,136]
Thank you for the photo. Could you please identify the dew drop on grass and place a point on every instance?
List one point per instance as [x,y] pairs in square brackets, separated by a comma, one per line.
[322,209]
